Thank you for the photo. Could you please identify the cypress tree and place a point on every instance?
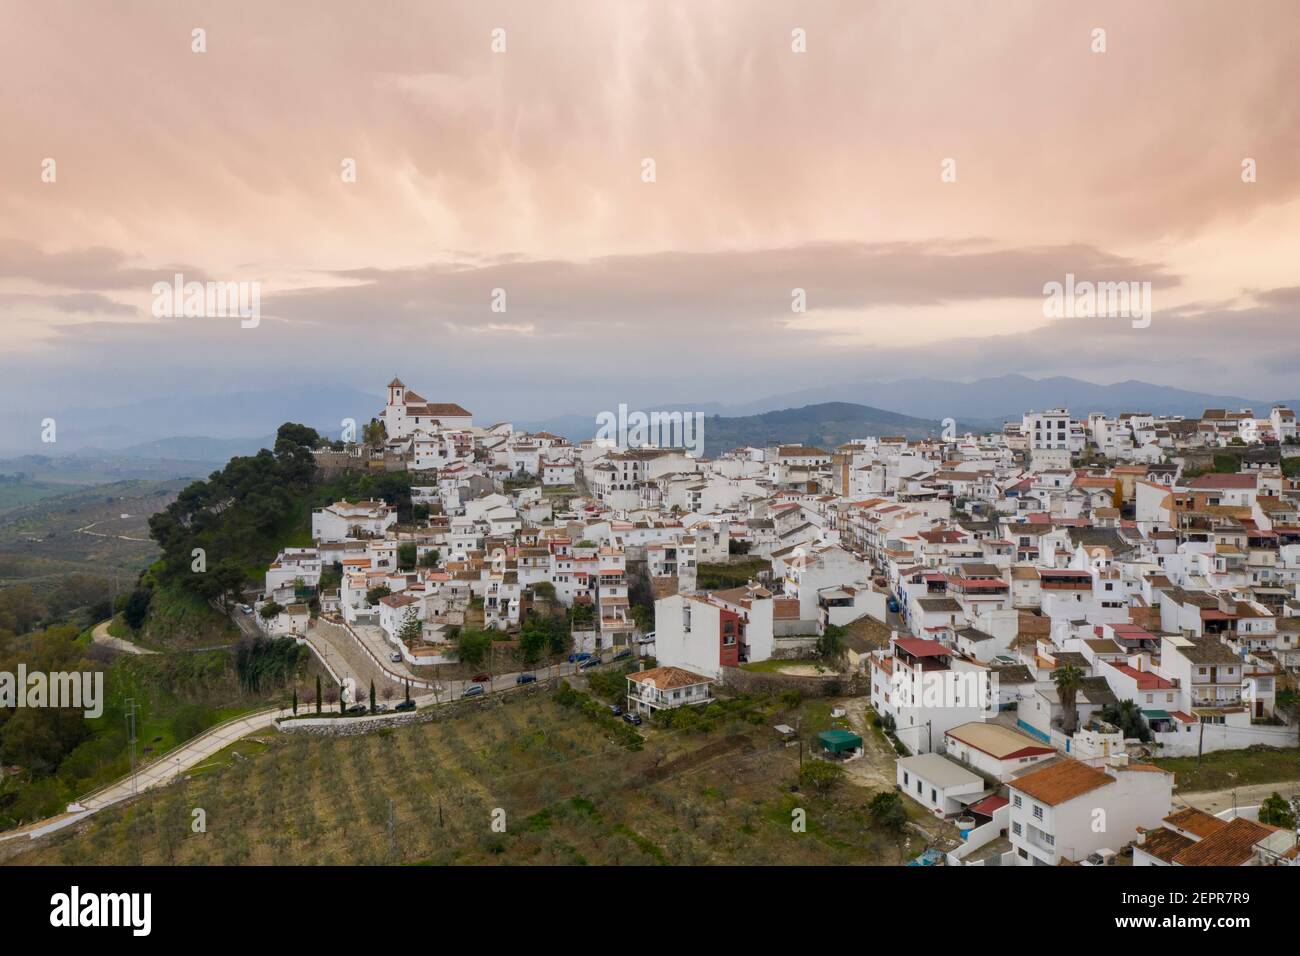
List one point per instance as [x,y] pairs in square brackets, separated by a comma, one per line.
[318,704]
[295,702]
[372,696]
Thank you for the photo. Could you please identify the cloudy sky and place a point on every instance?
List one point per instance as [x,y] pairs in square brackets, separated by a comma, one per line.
[523,170]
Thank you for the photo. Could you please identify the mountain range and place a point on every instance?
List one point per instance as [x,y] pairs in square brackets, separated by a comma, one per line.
[212,428]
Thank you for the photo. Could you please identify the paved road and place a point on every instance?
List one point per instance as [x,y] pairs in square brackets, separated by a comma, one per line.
[247,626]
[160,771]
[100,635]
[1214,801]
[168,766]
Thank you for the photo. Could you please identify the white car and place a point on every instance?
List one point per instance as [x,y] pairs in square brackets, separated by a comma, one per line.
[395,657]
[646,638]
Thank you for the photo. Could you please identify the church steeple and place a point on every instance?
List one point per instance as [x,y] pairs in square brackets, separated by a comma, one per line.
[396,392]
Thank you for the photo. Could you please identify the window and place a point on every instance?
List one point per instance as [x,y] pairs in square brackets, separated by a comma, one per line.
[1017,800]
[934,797]
[1017,829]
[1038,812]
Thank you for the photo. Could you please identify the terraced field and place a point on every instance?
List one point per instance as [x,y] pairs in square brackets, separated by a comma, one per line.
[558,791]
[82,531]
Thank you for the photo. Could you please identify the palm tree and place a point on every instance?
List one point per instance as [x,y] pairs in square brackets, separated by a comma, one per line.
[1068,678]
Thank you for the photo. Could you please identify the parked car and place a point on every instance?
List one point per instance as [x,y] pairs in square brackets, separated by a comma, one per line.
[892,605]
[621,655]
[357,709]
[395,657]
[576,658]
[646,638]
[616,710]
[589,662]
[1103,857]
[632,718]
[405,705]
[525,678]
[473,690]
[481,678]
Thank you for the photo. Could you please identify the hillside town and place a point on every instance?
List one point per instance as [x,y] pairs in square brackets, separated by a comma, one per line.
[1033,614]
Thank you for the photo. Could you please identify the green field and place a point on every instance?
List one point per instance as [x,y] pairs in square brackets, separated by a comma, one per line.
[1225,769]
[560,791]
[17,492]
[76,530]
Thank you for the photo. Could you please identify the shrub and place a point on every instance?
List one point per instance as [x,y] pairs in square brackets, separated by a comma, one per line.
[821,775]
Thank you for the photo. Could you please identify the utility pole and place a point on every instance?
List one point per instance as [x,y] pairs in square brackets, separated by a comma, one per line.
[130,733]
[392,829]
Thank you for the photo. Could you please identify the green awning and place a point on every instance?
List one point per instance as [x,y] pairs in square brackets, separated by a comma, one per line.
[839,741]
[1157,715]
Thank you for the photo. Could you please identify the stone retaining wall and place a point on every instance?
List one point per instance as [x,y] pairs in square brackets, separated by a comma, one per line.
[764,682]
[356,726]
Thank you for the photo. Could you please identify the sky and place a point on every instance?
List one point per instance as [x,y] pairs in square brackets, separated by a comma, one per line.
[920,169]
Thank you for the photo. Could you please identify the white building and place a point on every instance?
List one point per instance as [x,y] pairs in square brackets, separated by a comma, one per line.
[937,783]
[1067,809]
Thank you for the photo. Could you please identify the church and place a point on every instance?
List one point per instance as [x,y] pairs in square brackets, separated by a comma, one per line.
[406,413]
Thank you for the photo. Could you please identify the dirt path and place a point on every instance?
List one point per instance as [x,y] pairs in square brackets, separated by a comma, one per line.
[877,766]
[1215,801]
[100,534]
[100,635]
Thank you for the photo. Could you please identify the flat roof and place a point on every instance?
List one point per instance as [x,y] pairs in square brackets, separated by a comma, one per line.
[939,770]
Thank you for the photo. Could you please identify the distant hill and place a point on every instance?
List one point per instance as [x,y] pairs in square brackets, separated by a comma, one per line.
[92,467]
[237,417]
[825,425]
[993,400]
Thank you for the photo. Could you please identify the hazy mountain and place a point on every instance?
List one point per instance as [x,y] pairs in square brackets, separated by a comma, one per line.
[244,415]
[95,468]
[982,404]
[1008,397]
[824,425]
[219,450]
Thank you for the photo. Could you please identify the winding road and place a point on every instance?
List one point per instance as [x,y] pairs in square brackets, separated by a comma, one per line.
[101,636]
